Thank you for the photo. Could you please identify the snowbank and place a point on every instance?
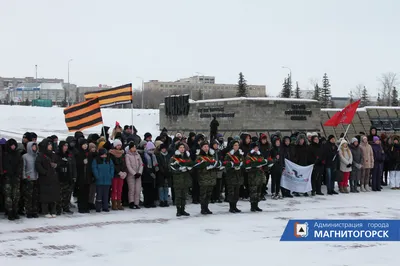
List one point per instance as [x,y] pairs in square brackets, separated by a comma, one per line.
[16,120]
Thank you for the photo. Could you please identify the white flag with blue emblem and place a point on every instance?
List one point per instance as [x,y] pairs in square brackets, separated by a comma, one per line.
[296,178]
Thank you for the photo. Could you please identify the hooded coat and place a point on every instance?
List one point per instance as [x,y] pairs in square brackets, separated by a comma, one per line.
[346,158]
[164,173]
[265,149]
[300,151]
[357,154]
[134,163]
[314,156]
[329,152]
[12,163]
[286,151]
[243,146]
[394,158]
[66,165]
[368,155]
[49,186]
[379,154]
[29,170]
[82,169]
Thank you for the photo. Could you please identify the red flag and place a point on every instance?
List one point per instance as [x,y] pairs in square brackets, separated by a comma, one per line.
[343,117]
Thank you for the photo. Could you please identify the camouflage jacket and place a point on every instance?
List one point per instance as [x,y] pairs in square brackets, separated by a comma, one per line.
[208,174]
[256,175]
[233,162]
[179,165]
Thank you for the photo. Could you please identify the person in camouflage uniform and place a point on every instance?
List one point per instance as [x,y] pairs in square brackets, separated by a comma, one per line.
[253,164]
[30,177]
[206,165]
[12,173]
[180,165]
[234,177]
[67,174]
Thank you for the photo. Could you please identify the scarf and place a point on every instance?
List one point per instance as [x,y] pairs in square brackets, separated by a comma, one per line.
[150,158]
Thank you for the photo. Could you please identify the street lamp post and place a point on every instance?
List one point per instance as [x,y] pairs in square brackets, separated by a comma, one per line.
[65,96]
[142,90]
[290,72]
[202,82]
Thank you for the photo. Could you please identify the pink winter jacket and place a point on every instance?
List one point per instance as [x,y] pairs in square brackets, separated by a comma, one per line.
[134,163]
[368,155]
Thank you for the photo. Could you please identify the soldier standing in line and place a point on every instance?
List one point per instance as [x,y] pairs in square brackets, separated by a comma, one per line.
[206,164]
[181,164]
[254,163]
[12,171]
[234,178]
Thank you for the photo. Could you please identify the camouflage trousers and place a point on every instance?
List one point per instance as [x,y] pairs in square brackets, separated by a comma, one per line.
[12,195]
[255,193]
[65,196]
[233,193]
[205,194]
[180,196]
[31,196]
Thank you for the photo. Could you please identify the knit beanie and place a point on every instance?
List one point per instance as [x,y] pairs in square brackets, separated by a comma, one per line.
[375,138]
[150,146]
[92,146]
[117,142]
[354,140]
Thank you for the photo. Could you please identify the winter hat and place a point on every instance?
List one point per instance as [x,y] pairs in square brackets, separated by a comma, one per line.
[32,136]
[3,141]
[237,138]
[162,146]
[93,137]
[375,138]
[219,135]
[132,144]
[175,139]
[78,135]
[309,135]
[192,134]
[82,141]
[331,137]
[164,130]
[117,124]
[142,145]
[254,139]
[204,143]
[117,142]
[179,144]
[253,145]
[92,146]
[214,142]
[158,143]
[314,134]
[263,136]
[233,142]
[126,127]
[102,151]
[26,135]
[354,140]
[343,142]
[147,135]
[150,146]
[178,135]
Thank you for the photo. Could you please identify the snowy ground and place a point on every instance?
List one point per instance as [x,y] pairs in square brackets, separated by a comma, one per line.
[158,237]
[16,120]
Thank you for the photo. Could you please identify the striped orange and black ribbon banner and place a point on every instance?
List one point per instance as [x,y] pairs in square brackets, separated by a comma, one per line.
[114,96]
[83,115]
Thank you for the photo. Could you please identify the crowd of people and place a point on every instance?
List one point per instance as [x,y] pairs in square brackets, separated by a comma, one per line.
[106,172]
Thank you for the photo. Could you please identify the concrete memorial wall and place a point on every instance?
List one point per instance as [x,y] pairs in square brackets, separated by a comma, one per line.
[236,115]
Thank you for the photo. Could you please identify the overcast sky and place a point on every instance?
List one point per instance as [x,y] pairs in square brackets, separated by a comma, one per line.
[113,42]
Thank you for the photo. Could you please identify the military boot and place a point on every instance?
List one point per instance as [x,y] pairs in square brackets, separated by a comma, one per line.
[183,212]
[253,207]
[178,211]
[231,208]
[16,215]
[257,208]
[203,209]
[235,207]
[114,205]
[208,210]
[11,216]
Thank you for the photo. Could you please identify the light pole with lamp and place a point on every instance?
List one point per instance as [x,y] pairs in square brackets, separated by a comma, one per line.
[202,82]
[65,96]
[142,89]
[290,72]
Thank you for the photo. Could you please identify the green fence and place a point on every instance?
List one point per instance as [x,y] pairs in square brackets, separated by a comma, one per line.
[42,103]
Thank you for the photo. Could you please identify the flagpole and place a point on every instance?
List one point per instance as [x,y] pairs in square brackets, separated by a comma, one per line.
[132,107]
[104,132]
[344,136]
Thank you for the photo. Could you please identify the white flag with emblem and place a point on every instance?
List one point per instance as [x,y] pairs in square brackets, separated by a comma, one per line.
[296,178]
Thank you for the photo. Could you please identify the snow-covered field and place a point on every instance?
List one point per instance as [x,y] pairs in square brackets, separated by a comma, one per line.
[16,120]
[157,237]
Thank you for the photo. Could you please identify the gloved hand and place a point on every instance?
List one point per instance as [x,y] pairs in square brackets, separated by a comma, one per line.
[54,165]
[210,167]
[349,165]
[182,169]
[153,175]
[189,168]
[85,161]
[137,175]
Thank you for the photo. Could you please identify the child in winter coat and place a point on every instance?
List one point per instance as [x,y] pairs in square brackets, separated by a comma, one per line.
[367,165]
[120,173]
[149,175]
[134,165]
[163,175]
[346,162]
[12,173]
[395,164]
[83,175]
[103,171]
[49,186]
[30,176]
[379,159]
[66,169]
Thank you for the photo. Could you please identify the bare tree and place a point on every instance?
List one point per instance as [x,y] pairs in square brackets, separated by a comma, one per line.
[388,81]
[357,92]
